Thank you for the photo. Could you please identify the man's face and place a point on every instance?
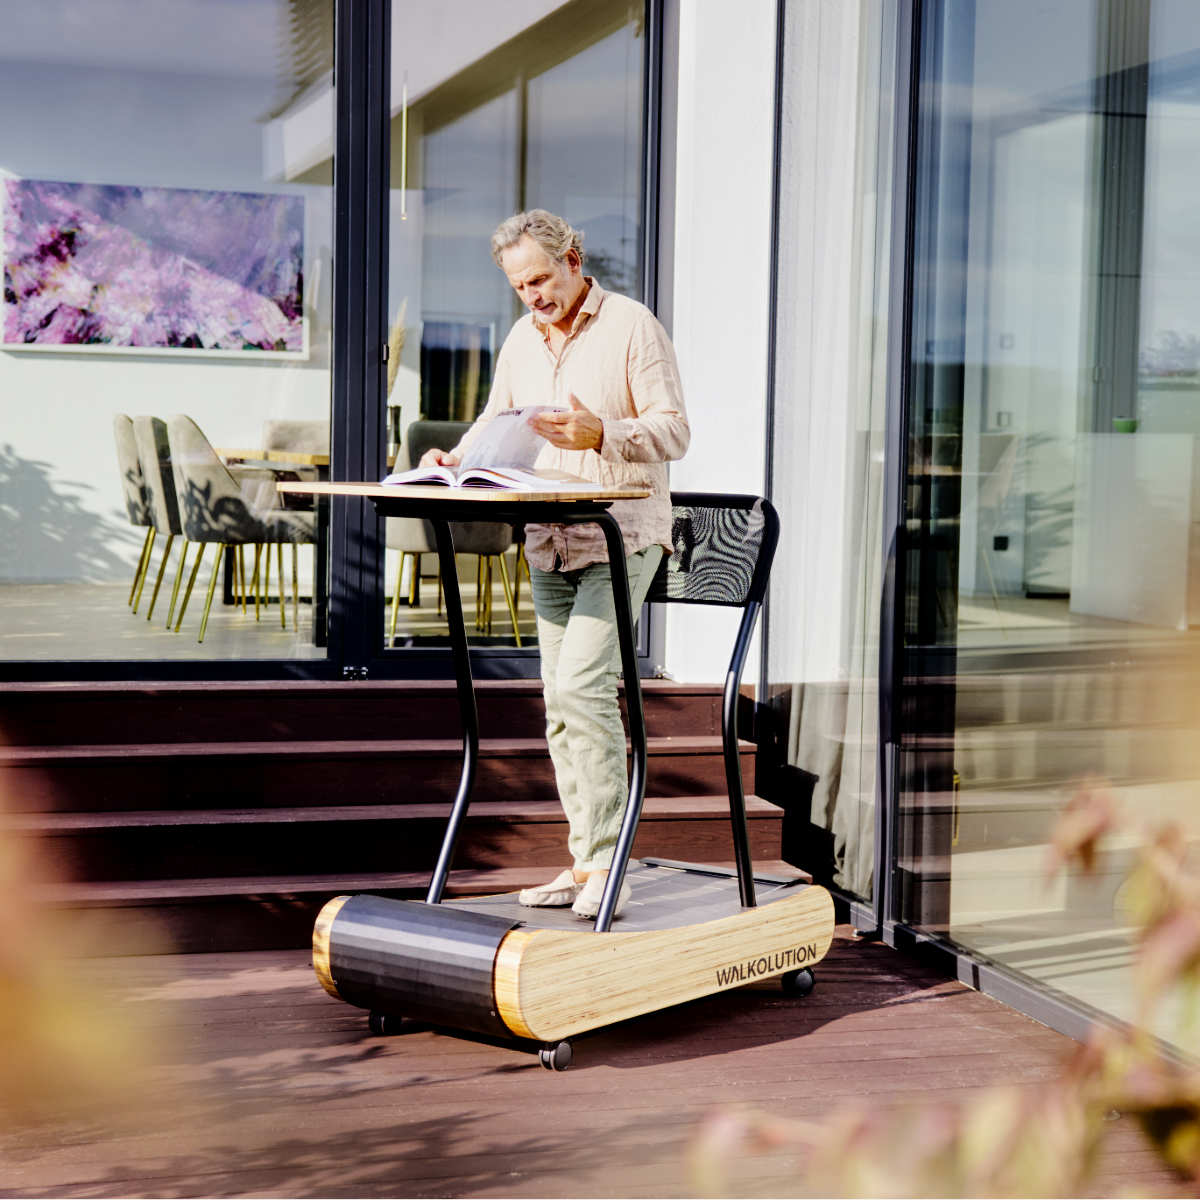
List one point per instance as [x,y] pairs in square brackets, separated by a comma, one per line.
[547,288]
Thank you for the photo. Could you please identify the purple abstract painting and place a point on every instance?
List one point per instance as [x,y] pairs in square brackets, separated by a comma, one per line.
[157,269]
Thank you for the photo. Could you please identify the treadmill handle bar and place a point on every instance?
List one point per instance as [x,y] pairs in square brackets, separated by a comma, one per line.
[733,766]
[637,720]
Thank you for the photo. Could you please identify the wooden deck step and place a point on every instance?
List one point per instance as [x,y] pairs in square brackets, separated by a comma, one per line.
[398,837]
[256,911]
[120,714]
[291,774]
[513,811]
[225,813]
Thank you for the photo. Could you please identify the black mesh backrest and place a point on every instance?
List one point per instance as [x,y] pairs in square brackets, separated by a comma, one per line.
[723,547]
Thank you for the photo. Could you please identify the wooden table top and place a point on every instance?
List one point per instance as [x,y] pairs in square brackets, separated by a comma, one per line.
[295,457]
[473,495]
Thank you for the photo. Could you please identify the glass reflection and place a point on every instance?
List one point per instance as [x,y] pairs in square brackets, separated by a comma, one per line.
[163,255]
[1053,574]
[510,114]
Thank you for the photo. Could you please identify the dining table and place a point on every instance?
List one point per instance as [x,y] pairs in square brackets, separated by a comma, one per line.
[283,462]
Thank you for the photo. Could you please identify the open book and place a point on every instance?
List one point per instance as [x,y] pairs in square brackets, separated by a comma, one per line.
[517,479]
[501,455]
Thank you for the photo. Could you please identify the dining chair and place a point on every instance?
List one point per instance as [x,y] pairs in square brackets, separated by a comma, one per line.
[220,509]
[137,499]
[299,437]
[413,537]
[303,437]
[154,451]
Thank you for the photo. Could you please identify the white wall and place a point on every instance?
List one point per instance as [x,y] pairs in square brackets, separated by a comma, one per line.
[721,293]
[62,515]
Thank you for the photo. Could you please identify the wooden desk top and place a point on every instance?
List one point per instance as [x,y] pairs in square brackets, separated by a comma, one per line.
[473,495]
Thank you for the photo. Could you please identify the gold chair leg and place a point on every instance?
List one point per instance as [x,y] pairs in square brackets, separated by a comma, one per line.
[145,568]
[267,578]
[147,541]
[478,590]
[162,566]
[487,596]
[187,595]
[241,574]
[282,585]
[183,553]
[509,599]
[396,598]
[212,587]
[254,581]
[295,586]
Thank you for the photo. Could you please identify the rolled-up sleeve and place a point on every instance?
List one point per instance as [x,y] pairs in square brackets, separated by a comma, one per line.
[659,431]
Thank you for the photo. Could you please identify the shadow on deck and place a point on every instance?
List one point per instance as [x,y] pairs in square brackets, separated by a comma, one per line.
[270,1087]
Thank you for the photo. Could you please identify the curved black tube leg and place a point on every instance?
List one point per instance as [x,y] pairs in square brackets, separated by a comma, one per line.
[733,767]
[466,707]
[637,720]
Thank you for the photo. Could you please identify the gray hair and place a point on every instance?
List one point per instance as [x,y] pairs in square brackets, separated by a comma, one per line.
[552,233]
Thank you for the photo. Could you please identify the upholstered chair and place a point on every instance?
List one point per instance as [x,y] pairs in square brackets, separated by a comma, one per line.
[220,509]
[414,537]
[302,437]
[154,451]
[137,499]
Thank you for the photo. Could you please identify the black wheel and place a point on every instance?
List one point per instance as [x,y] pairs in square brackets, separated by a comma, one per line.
[798,983]
[556,1057]
[383,1024]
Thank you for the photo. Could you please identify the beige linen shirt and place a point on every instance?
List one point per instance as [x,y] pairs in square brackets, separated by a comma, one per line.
[619,363]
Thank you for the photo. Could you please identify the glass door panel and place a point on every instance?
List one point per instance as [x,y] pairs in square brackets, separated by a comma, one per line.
[163,257]
[1054,495]
[535,106]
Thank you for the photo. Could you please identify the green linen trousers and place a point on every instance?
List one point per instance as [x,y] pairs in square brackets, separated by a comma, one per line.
[581,664]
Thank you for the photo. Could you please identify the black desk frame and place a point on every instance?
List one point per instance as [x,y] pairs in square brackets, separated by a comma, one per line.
[440,513]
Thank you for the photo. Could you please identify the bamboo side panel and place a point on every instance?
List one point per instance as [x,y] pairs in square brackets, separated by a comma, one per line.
[551,984]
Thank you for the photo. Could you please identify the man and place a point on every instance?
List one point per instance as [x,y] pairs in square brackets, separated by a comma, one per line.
[608,365]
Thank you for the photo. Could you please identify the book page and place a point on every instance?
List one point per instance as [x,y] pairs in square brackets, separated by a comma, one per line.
[507,440]
[522,480]
[444,475]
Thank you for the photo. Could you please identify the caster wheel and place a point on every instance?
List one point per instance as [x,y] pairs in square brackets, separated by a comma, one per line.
[556,1057]
[798,983]
[383,1024]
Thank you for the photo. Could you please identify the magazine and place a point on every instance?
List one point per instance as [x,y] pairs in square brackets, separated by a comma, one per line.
[502,456]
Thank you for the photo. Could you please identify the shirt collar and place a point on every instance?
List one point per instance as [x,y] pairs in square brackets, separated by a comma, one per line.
[589,308]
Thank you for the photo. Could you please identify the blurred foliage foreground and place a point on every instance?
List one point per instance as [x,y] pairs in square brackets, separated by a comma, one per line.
[1024,1141]
[69,1047]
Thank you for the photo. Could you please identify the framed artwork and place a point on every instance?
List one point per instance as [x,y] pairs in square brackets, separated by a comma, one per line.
[147,270]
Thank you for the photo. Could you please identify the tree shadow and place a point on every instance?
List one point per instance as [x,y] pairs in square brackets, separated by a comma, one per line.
[45,525]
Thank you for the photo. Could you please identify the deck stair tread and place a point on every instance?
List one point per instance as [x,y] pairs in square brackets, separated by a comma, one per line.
[464,882]
[675,807]
[334,748]
[211,811]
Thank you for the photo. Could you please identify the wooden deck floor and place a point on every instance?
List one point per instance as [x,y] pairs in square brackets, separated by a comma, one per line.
[271,1088]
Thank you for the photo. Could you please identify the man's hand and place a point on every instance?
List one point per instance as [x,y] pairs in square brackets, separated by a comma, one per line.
[438,458]
[575,429]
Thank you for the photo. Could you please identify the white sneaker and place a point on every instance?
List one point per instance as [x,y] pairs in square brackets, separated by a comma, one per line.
[558,893]
[592,892]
